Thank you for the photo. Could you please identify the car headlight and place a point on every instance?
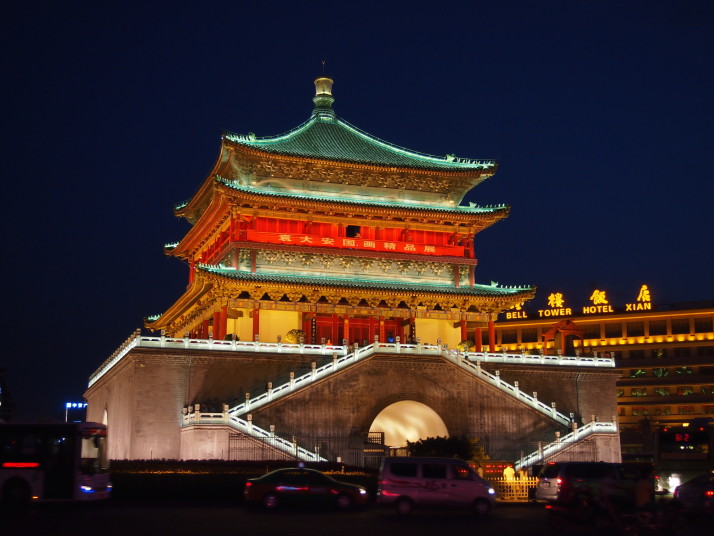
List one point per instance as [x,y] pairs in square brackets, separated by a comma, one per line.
[491,491]
[362,491]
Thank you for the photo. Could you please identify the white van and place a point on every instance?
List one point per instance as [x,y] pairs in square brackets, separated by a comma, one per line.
[408,482]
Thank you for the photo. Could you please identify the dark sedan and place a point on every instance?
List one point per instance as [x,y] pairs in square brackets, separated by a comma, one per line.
[697,494]
[304,487]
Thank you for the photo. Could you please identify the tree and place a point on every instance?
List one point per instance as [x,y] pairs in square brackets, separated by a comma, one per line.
[461,447]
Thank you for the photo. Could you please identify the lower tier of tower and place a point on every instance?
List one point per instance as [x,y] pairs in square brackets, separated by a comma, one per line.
[342,329]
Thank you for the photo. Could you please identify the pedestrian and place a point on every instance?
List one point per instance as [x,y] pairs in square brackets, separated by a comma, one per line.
[509,473]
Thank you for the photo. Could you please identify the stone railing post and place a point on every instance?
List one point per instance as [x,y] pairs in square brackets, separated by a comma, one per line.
[270,390]
[292,381]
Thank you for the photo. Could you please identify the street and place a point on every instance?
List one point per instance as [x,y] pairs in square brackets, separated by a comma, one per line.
[194,518]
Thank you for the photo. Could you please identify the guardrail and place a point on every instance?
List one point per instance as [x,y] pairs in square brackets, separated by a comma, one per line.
[246,426]
[318,373]
[567,441]
[161,341]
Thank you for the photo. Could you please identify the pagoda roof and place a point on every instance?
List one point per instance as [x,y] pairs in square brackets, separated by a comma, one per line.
[328,137]
[472,208]
[324,136]
[492,290]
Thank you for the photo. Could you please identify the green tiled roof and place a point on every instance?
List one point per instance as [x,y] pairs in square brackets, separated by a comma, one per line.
[325,136]
[476,290]
[472,208]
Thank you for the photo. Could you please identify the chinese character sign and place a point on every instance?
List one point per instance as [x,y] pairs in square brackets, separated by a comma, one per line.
[644,295]
[355,243]
[555,299]
[598,297]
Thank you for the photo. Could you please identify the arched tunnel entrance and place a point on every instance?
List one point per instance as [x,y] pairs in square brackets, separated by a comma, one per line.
[408,420]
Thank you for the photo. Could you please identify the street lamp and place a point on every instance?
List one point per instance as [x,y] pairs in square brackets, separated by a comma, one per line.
[72,405]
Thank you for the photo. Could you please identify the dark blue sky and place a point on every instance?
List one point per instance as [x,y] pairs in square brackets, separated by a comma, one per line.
[599,112]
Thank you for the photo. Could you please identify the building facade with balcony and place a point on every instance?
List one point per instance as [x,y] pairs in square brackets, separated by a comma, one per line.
[665,354]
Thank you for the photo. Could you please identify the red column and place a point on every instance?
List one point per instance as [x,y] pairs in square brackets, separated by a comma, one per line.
[204,329]
[256,321]
[464,331]
[223,322]
[335,329]
[491,336]
[217,325]
[479,337]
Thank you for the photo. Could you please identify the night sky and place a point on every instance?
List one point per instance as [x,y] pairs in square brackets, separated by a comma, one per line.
[599,113]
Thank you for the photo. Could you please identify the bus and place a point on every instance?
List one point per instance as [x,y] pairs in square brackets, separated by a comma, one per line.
[53,462]
[683,452]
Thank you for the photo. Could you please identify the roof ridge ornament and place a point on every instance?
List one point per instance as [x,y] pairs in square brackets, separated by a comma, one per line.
[323,98]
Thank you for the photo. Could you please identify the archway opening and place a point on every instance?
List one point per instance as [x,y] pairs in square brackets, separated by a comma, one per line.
[408,420]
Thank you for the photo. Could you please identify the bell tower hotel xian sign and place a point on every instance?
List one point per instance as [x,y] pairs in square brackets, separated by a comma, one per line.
[599,304]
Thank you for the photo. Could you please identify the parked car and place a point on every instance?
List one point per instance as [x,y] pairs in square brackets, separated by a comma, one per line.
[578,486]
[304,487]
[408,482]
[697,494]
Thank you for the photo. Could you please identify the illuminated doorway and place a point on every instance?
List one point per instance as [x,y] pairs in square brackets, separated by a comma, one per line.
[408,420]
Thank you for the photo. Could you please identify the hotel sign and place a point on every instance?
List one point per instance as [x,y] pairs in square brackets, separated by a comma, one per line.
[599,304]
[556,306]
[643,302]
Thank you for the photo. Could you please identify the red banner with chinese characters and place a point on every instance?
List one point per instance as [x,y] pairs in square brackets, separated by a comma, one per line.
[354,243]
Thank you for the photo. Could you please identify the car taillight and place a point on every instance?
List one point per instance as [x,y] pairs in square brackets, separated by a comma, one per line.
[248,484]
[559,481]
[709,493]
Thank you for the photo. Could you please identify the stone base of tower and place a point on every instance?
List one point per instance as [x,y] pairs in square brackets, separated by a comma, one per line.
[173,403]
[221,442]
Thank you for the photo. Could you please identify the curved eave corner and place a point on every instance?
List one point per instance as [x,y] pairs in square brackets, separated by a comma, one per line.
[196,290]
